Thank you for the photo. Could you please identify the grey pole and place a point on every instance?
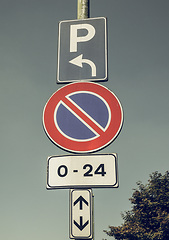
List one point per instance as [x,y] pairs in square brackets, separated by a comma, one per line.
[83,9]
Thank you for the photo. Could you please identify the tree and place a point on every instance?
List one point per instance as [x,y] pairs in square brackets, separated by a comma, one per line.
[148,218]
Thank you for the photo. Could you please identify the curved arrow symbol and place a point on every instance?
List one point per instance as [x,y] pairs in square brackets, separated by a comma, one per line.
[81,226]
[79,60]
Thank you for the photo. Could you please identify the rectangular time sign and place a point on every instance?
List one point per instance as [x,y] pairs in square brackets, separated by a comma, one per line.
[82,171]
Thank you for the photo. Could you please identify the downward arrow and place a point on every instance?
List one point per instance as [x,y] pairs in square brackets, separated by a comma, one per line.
[81,226]
[79,60]
[81,200]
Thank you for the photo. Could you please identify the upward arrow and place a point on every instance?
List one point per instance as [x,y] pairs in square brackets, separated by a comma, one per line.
[81,200]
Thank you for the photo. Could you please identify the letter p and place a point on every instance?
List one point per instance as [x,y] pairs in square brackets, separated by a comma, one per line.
[74,39]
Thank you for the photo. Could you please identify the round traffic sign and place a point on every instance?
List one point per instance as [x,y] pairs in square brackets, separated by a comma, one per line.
[82,117]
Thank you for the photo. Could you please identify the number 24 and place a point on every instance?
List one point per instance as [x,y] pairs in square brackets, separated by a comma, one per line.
[100,170]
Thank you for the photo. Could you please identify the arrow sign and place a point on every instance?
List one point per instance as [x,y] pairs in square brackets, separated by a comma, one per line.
[81,200]
[81,226]
[79,60]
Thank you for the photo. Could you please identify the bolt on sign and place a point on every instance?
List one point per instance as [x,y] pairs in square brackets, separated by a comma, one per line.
[82,50]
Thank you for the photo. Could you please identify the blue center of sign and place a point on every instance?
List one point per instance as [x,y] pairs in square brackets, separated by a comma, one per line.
[73,126]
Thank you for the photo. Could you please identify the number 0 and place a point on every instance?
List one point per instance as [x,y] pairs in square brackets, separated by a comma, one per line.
[62,171]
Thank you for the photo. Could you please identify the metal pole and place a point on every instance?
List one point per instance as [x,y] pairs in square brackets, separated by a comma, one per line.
[82,13]
[83,9]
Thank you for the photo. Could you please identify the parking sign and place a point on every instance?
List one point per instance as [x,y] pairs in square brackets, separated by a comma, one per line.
[82,50]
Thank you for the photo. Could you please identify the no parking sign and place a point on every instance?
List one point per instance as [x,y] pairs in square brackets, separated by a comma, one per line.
[82,117]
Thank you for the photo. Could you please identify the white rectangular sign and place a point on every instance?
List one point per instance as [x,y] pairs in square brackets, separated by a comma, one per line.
[81,224]
[82,171]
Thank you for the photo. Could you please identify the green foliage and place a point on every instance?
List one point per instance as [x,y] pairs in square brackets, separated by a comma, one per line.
[149,217]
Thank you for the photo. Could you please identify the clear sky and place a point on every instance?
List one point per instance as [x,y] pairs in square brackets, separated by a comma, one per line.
[138,54]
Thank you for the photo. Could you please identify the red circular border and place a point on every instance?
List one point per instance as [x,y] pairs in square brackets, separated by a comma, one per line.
[87,146]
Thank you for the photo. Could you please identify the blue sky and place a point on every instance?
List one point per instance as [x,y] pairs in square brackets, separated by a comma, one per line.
[138,60]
